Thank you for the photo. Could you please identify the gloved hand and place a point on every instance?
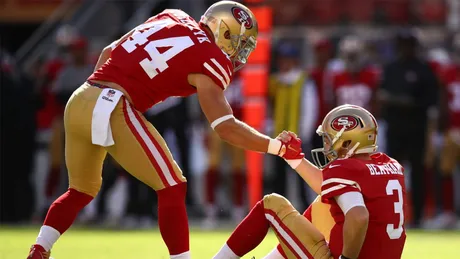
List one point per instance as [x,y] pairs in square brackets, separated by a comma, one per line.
[291,148]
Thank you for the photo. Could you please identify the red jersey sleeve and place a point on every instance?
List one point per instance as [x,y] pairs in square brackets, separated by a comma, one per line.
[219,68]
[337,181]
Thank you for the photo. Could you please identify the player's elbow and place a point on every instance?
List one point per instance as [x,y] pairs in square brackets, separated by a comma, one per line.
[226,130]
[359,215]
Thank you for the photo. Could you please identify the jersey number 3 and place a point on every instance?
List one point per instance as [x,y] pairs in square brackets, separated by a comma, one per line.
[158,61]
[395,233]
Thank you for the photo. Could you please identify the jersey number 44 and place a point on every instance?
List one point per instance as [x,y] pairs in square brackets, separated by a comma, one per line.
[158,61]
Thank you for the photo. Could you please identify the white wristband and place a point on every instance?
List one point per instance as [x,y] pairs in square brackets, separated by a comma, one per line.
[294,163]
[274,146]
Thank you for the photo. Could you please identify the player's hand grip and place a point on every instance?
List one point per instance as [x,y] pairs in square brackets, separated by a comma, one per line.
[291,148]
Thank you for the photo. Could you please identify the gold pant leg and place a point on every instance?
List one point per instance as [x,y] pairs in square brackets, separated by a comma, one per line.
[141,150]
[298,237]
[83,159]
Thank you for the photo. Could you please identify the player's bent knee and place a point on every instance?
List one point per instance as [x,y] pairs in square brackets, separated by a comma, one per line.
[91,189]
[277,203]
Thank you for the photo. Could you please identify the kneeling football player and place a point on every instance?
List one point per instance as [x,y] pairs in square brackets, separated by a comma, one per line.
[365,191]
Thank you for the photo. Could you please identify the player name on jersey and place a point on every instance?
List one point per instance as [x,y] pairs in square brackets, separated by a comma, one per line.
[201,35]
[386,169]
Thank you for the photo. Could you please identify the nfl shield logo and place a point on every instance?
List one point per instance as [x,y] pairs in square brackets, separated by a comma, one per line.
[110,93]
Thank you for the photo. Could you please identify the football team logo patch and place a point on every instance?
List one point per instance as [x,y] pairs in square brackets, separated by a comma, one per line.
[350,122]
[110,93]
[242,17]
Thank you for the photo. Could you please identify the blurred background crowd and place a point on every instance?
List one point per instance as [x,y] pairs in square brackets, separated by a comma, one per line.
[398,58]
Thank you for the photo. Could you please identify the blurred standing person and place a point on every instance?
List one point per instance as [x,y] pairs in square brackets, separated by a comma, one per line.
[77,67]
[18,105]
[45,185]
[408,89]
[321,76]
[449,127]
[76,70]
[286,95]
[216,151]
[438,59]
[357,83]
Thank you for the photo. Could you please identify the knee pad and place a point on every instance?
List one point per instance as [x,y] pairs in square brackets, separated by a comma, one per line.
[172,196]
[275,201]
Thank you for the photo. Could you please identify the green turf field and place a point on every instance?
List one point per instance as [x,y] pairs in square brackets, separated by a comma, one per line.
[106,244]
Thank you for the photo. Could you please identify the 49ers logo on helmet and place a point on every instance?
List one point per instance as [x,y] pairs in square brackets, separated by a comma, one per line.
[350,122]
[242,17]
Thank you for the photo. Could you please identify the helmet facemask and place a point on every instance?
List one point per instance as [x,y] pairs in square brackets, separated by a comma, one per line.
[330,154]
[333,147]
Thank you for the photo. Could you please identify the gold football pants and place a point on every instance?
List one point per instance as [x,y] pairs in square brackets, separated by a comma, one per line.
[138,147]
[297,236]
[450,154]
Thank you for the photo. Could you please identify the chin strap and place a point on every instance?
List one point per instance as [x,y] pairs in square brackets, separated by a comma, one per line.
[352,150]
[367,150]
[337,136]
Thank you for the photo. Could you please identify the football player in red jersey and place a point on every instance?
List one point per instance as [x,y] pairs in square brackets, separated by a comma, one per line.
[450,131]
[321,75]
[357,84]
[365,191]
[169,55]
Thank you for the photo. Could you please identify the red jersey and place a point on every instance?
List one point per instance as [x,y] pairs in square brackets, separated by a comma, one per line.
[451,80]
[381,182]
[52,108]
[436,67]
[154,62]
[355,89]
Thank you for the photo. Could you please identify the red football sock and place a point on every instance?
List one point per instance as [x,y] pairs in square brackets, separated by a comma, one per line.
[212,179]
[65,209]
[238,187]
[172,218]
[448,193]
[250,232]
[52,181]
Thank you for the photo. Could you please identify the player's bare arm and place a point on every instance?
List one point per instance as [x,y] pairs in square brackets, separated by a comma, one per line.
[220,115]
[105,54]
[310,174]
[354,231]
